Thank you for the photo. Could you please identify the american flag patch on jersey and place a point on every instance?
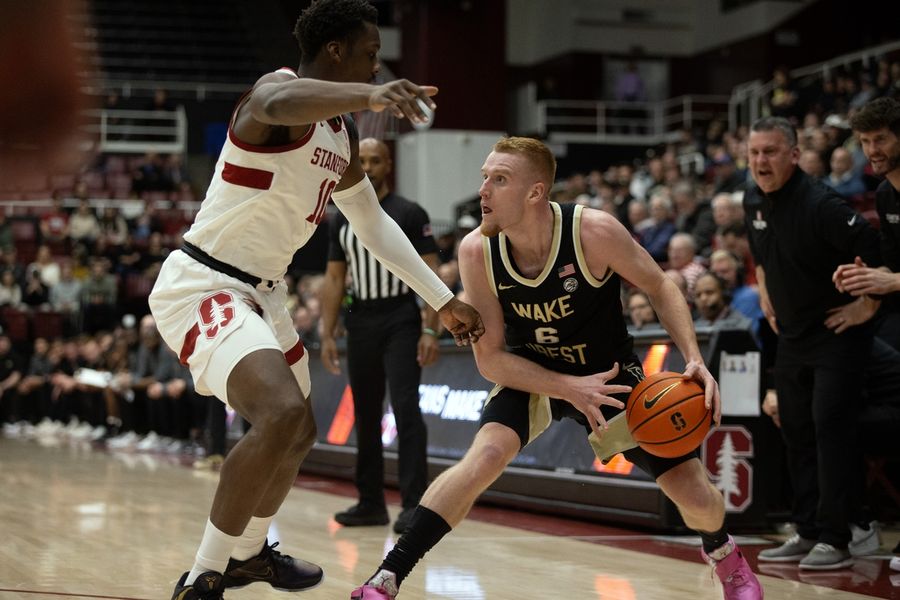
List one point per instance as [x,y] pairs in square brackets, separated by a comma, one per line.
[566,270]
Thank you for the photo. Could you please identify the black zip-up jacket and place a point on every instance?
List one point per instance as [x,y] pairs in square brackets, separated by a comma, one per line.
[799,235]
[887,202]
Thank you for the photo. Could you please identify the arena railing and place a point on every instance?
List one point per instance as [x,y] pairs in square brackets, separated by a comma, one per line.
[748,100]
[138,131]
[627,123]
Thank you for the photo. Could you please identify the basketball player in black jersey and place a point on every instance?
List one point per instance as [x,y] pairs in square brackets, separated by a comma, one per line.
[547,276]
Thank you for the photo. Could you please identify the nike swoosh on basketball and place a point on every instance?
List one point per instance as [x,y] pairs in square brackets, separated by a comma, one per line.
[506,287]
[650,402]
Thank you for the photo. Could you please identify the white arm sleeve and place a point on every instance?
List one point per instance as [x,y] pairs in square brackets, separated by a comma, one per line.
[381,236]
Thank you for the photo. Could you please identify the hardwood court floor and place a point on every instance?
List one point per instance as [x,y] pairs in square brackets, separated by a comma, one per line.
[77,522]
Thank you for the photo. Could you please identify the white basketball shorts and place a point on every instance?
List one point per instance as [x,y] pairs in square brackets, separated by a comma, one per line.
[212,321]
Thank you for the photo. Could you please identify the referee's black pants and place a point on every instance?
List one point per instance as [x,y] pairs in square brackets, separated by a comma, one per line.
[819,380]
[382,344]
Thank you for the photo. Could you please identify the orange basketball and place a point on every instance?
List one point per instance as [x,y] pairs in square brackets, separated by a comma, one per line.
[667,415]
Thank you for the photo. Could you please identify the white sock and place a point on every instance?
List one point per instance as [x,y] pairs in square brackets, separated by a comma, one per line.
[214,552]
[253,539]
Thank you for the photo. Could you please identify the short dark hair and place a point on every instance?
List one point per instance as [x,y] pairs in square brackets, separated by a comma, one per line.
[880,112]
[723,286]
[777,124]
[328,20]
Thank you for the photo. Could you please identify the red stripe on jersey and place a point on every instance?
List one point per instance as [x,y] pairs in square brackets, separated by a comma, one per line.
[247,177]
[190,342]
[272,149]
[295,353]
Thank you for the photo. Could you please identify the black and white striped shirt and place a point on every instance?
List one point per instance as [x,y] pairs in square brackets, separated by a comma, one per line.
[370,280]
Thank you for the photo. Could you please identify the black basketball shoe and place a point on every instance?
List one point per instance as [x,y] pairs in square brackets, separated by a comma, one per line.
[207,586]
[281,571]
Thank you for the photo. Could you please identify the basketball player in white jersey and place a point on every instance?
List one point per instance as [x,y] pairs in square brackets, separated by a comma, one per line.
[220,301]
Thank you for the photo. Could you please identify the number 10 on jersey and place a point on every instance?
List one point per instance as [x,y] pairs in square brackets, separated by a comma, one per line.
[325,188]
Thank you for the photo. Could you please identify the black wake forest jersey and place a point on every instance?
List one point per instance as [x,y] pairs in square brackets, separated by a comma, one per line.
[565,319]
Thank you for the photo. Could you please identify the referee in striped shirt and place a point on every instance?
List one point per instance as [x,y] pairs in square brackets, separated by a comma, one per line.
[385,340]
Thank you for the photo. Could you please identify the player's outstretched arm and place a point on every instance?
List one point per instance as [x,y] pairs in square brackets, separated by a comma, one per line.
[279,99]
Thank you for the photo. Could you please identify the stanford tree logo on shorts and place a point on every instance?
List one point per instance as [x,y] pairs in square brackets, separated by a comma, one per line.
[216,311]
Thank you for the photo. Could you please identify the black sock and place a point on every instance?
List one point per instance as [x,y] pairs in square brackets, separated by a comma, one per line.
[713,540]
[426,528]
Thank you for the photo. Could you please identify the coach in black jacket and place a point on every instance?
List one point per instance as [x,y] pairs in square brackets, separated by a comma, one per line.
[800,231]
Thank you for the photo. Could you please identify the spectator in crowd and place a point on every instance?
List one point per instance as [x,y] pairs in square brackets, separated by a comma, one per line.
[6,233]
[34,389]
[640,311]
[683,258]
[35,293]
[727,178]
[98,297]
[45,266]
[842,178]
[629,87]
[160,101]
[638,217]
[150,176]
[147,223]
[10,290]
[784,96]
[655,238]
[817,365]
[152,256]
[726,210]
[83,225]
[713,301]
[9,261]
[113,227]
[54,223]
[65,296]
[744,298]
[734,239]
[11,367]
[811,163]
[694,216]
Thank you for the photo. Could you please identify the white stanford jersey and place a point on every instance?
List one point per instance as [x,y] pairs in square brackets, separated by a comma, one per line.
[264,202]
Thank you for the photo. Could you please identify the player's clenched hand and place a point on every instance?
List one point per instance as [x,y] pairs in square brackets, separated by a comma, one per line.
[590,392]
[400,97]
[462,321]
[697,371]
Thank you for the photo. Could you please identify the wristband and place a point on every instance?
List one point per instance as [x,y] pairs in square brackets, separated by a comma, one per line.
[430,331]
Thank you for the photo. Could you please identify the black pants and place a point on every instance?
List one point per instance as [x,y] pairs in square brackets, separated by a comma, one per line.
[819,381]
[382,344]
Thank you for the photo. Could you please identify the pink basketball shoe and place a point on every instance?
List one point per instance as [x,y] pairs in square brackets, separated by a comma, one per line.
[383,586]
[738,581]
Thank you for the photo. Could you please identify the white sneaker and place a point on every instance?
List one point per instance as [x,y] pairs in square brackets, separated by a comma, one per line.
[126,440]
[82,432]
[11,430]
[173,447]
[97,432]
[150,443]
[864,542]
[895,563]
